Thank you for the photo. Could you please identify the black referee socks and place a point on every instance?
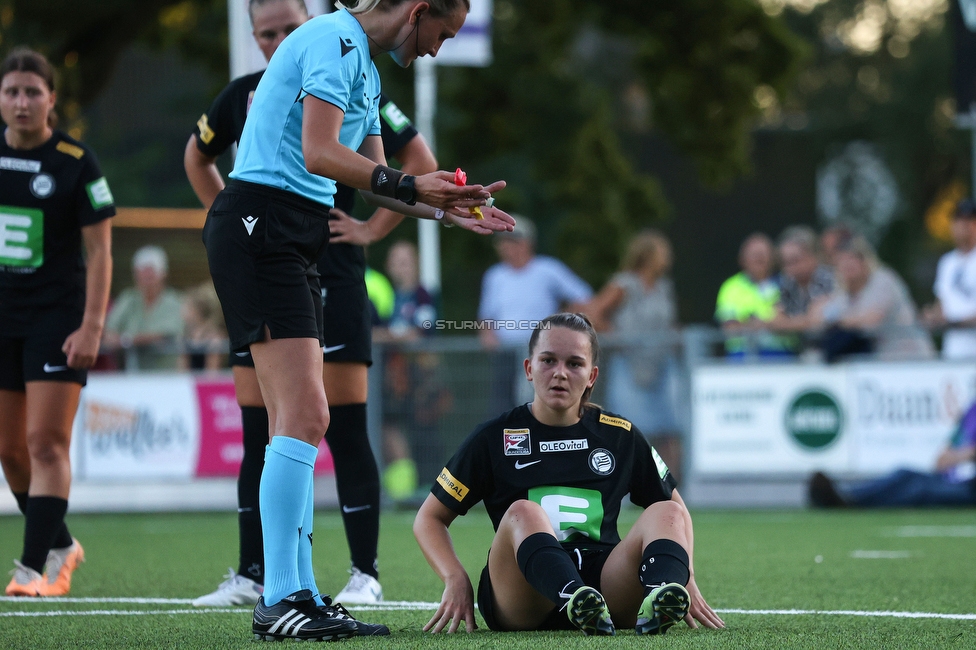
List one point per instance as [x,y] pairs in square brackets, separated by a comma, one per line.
[45,517]
[357,482]
[254,420]
[548,568]
[664,561]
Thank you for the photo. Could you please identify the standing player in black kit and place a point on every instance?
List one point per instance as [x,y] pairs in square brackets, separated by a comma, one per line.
[53,199]
[347,350]
[552,474]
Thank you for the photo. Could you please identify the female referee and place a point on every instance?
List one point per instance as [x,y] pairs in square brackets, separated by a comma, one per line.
[314,121]
[347,333]
[552,474]
[53,199]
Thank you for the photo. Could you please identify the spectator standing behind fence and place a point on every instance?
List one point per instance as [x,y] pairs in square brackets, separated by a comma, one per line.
[145,319]
[747,301]
[638,307]
[204,334]
[806,283]
[519,291]
[414,397]
[871,311]
[955,288]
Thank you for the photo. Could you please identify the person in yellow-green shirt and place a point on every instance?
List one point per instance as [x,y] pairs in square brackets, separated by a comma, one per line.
[747,302]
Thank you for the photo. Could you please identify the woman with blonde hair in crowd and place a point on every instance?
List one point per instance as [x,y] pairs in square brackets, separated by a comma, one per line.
[872,310]
[638,307]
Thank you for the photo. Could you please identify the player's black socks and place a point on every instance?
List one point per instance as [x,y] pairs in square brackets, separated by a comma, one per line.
[357,482]
[664,561]
[63,537]
[45,516]
[548,568]
[255,423]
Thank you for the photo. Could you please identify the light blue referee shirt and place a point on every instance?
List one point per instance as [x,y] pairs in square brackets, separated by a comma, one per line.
[328,58]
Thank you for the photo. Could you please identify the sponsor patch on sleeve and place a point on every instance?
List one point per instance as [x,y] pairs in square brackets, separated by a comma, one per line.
[394,117]
[451,485]
[206,133]
[662,468]
[70,149]
[616,422]
[99,194]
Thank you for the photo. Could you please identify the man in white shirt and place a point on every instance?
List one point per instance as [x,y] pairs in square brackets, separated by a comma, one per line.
[520,290]
[955,288]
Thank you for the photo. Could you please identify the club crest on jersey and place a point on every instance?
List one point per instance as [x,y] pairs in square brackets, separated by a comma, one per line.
[602,462]
[517,442]
[42,185]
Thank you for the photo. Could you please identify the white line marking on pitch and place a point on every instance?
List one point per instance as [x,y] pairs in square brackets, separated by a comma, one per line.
[421,606]
[880,555]
[934,531]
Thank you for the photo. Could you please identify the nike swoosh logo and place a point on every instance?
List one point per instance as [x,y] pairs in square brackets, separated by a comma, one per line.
[562,592]
[242,354]
[49,368]
[249,222]
[347,509]
[334,348]
[521,465]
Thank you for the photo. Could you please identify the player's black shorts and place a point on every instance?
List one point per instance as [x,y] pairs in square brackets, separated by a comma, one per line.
[589,558]
[261,244]
[37,355]
[348,330]
[348,326]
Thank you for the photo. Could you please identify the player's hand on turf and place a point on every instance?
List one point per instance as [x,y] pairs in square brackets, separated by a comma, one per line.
[700,611]
[494,220]
[81,346]
[437,189]
[457,604]
[343,229]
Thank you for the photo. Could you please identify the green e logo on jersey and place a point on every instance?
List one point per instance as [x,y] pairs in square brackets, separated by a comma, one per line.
[21,237]
[572,511]
[394,117]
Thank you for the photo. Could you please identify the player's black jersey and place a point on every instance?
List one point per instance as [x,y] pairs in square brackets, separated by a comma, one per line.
[345,263]
[223,124]
[47,195]
[579,474]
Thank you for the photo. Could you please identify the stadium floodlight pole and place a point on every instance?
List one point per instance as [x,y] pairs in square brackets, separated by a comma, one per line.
[428,232]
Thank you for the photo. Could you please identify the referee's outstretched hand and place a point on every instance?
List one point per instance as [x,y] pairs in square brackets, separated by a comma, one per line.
[438,190]
[495,220]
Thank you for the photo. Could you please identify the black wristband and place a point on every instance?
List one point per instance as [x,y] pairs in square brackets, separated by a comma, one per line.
[384,181]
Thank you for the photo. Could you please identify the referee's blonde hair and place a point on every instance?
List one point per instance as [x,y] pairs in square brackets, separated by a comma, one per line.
[437,7]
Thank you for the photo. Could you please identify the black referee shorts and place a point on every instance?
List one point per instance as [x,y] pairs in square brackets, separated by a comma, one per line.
[589,558]
[37,355]
[261,245]
[347,323]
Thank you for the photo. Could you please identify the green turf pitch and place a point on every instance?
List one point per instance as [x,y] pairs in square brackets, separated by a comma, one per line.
[904,561]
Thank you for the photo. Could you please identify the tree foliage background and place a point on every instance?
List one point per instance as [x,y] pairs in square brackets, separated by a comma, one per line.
[575,91]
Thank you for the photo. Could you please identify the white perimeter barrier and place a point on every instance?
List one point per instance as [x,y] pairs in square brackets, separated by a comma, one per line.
[855,419]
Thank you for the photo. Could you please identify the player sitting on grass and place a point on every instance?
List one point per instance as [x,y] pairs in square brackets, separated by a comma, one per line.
[552,474]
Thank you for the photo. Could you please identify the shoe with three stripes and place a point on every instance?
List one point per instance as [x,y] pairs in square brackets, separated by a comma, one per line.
[362,629]
[296,616]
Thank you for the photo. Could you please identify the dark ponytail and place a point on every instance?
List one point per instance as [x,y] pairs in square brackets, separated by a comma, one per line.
[577,323]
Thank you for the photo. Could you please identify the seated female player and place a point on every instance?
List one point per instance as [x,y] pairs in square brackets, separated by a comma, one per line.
[552,474]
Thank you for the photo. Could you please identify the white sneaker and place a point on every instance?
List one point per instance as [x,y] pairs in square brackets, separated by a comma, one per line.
[235,590]
[362,589]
